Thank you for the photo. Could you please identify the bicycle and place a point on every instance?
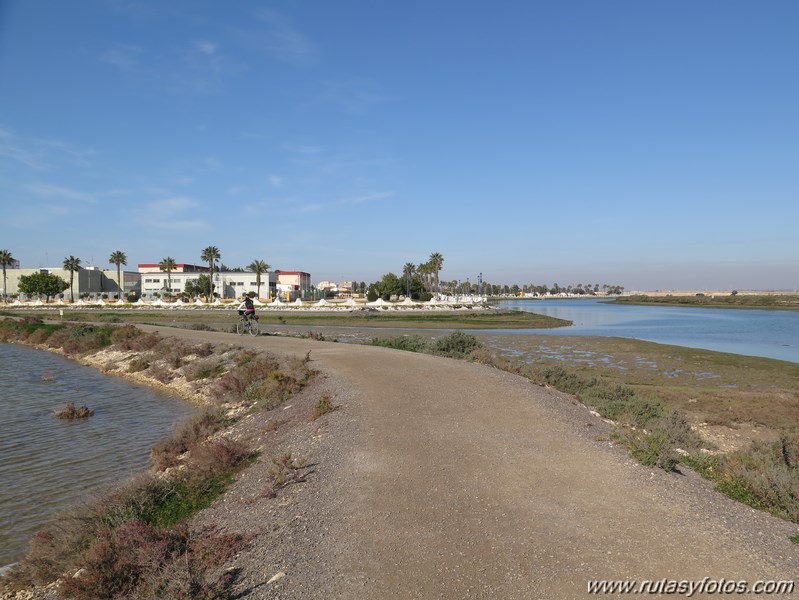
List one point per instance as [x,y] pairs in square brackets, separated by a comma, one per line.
[247,325]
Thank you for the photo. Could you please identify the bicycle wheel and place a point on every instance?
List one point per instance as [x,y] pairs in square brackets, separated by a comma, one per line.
[241,326]
[253,327]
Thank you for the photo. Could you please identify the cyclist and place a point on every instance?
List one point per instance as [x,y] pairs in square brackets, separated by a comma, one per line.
[246,308]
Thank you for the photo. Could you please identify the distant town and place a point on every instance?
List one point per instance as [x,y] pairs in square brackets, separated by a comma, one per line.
[171,280]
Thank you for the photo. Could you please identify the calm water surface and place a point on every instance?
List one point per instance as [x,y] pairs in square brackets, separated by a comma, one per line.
[47,464]
[767,333]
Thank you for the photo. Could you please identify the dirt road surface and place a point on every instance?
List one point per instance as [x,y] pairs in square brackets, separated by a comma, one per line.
[439,478]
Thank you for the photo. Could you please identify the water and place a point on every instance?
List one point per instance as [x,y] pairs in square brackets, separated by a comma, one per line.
[766,333]
[47,464]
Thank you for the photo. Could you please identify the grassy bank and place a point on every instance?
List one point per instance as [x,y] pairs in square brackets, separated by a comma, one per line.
[223,319]
[715,388]
[762,301]
[137,540]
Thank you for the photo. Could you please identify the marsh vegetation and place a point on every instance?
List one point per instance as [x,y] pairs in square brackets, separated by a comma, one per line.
[136,540]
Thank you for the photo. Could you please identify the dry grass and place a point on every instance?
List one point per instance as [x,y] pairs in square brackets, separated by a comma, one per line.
[284,471]
[193,432]
[323,406]
[715,387]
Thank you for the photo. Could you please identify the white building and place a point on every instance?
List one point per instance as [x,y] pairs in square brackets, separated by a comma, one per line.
[227,284]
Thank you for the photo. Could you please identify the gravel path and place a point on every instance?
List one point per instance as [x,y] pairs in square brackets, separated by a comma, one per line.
[438,478]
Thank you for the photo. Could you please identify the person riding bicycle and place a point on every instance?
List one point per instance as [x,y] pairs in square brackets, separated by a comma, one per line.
[246,308]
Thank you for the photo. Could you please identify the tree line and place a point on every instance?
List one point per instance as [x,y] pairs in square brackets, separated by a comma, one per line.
[49,285]
[419,282]
[422,282]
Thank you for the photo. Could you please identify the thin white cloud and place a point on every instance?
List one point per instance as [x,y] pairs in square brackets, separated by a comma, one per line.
[42,154]
[302,149]
[170,214]
[169,207]
[54,191]
[123,56]
[19,154]
[275,181]
[206,47]
[367,198]
[178,225]
[195,67]
[54,210]
[283,207]
[278,38]
[353,97]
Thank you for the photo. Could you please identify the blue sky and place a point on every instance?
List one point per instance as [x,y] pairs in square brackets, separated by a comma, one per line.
[653,145]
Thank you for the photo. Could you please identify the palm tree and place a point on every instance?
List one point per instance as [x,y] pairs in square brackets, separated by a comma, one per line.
[71,264]
[436,261]
[424,270]
[408,270]
[118,258]
[209,255]
[258,267]
[5,259]
[168,265]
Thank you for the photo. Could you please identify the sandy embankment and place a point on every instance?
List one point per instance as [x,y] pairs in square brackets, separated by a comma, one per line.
[441,478]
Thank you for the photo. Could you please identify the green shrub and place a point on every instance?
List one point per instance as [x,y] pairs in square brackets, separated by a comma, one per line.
[765,476]
[85,338]
[651,449]
[259,379]
[620,403]
[203,369]
[120,336]
[565,381]
[456,345]
[39,335]
[679,430]
[409,343]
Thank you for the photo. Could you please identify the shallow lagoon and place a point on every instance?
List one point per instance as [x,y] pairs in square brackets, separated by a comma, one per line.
[47,464]
[766,333]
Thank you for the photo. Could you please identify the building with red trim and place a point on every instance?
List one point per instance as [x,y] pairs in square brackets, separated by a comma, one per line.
[179,268]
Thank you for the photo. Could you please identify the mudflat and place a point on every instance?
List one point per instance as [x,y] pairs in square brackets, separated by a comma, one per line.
[438,478]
